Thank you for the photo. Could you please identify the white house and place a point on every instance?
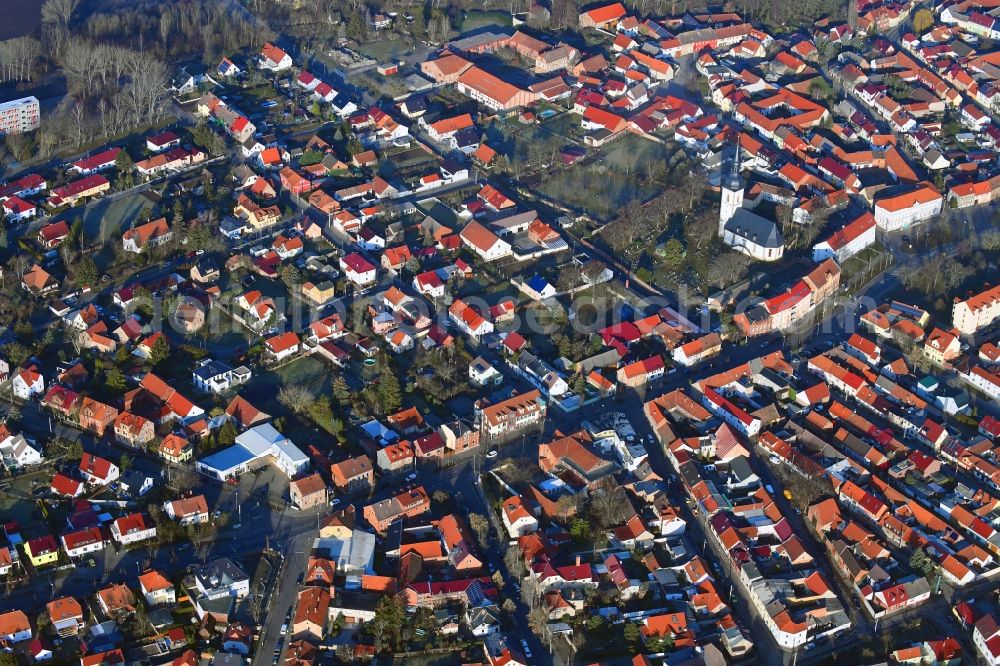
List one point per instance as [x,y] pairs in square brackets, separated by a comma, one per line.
[213,376]
[516,518]
[984,380]
[537,288]
[370,240]
[188,511]
[132,528]
[358,270]
[468,320]
[482,373]
[18,452]
[697,350]
[221,578]
[977,311]
[484,242]
[14,626]
[82,542]
[27,383]
[274,59]
[156,589]
[283,345]
[984,636]
[899,211]
[848,241]
[98,471]
[18,210]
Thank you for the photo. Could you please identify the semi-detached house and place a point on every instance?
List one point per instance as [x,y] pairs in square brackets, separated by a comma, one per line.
[408,504]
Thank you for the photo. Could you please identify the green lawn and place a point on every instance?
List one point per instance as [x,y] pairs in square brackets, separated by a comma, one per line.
[475,20]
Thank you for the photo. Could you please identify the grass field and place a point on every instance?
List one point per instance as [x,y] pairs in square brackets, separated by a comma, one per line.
[393,47]
[107,218]
[476,20]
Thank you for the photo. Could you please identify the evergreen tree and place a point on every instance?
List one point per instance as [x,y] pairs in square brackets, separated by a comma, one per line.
[114,379]
[227,433]
[341,391]
[160,351]
[389,393]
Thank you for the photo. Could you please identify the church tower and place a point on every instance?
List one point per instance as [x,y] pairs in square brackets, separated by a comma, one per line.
[732,193]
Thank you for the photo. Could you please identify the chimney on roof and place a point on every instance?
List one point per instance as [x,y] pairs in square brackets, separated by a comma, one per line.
[577,560]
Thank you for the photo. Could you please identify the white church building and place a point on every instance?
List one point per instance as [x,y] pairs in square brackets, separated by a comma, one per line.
[742,229]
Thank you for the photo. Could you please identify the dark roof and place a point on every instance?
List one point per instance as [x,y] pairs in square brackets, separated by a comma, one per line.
[761,231]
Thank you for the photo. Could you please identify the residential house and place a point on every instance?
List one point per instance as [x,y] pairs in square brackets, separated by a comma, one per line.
[188,510]
[176,449]
[66,615]
[27,383]
[134,430]
[79,543]
[510,418]
[308,492]
[156,589]
[353,474]
[95,416]
[132,528]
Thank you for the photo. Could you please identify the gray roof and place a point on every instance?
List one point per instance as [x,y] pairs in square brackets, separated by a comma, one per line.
[211,368]
[756,229]
[219,573]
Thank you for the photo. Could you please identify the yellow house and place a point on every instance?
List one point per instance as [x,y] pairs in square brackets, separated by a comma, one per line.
[318,293]
[176,449]
[42,550]
[339,525]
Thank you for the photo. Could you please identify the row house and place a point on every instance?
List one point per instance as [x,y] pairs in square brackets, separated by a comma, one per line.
[408,504]
[510,418]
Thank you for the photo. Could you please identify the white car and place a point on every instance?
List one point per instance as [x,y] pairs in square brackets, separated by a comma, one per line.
[411,476]
[335,501]
[492,453]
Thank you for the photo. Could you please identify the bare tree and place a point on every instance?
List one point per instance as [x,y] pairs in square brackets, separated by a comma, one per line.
[609,503]
[56,17]
[17,58]
[481,526]
[78,114]
[514,562]
[296,398]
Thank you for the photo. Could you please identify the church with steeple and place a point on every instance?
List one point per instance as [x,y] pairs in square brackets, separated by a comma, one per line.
[742,229]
